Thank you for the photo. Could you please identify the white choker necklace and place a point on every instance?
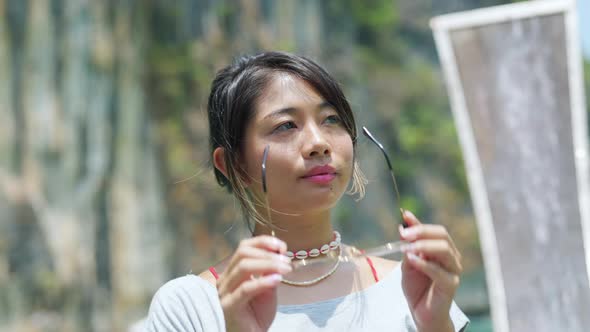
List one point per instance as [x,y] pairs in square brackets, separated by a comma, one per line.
[323,250]
[315,280]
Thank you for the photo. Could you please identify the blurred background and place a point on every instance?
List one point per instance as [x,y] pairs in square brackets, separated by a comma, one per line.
[106,187]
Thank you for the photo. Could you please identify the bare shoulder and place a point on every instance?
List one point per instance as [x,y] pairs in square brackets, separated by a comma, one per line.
[208,276]
[218,268]
[383,266]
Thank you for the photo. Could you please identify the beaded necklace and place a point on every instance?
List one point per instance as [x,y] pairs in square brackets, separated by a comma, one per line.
[323,250]
[312,253]
[315,280]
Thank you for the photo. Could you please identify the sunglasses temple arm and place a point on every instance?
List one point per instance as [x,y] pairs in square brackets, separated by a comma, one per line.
[374,140]
[272,231]
[264,189]
[401,210]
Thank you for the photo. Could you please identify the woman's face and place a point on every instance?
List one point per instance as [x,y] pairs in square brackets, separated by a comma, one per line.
[310,159]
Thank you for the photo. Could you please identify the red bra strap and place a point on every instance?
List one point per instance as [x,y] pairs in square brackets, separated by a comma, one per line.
[213,272]
[372,269]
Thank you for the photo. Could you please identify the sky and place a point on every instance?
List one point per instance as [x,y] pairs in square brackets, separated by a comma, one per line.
[584,22]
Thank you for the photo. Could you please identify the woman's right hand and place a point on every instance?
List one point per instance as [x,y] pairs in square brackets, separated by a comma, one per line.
[248,286]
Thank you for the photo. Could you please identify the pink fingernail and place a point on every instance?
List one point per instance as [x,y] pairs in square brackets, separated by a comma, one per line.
[409,233]
[407,247]
[277,244]
[284,259]
[413,257]
[286,269]
[403,231]
[275,277]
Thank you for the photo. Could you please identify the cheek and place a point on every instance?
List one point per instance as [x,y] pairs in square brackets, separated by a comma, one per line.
[276,165]
[347,150]
[346,153]
[251,162]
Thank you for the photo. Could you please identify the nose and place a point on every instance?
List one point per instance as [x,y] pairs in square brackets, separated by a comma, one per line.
[316,144]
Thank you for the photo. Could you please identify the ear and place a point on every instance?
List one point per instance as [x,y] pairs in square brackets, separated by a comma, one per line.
[219,163]
[219,160]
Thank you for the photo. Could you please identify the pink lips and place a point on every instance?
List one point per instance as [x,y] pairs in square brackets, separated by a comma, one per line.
[321,174]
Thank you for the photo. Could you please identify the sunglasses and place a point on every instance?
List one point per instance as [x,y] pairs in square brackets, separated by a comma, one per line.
[352,252]
[374,140]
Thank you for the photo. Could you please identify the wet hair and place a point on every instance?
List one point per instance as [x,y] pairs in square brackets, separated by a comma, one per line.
[232,103]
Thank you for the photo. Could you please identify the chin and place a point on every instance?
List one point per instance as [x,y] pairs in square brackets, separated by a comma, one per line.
[320,201]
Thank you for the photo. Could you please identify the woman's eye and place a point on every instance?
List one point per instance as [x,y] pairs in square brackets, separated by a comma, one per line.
[333,119]
[285,126]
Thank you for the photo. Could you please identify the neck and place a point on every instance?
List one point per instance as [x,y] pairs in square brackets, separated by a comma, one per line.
[300,232]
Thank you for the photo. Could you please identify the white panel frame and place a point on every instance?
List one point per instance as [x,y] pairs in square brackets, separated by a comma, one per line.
[442,27]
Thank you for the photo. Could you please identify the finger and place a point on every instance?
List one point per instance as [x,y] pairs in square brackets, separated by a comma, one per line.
[409,221]
[410,218]
[445,280]
[245,250]
[267,242]
[424,231]
[250,289]
[248,267]
[263,247]
[439,250]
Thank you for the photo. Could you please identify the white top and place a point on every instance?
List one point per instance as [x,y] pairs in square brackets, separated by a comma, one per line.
[191,303]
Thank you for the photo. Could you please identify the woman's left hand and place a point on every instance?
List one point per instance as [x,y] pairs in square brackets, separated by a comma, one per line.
[430,273]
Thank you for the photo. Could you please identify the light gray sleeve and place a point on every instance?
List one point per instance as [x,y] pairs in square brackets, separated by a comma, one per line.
[185,304]
[460,321]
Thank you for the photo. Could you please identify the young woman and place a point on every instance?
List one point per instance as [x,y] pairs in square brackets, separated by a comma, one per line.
[295,109]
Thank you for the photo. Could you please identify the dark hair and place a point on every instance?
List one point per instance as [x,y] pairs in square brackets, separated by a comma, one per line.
[234,93]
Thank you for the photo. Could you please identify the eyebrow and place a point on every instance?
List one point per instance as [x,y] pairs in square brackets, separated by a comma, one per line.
[291,110]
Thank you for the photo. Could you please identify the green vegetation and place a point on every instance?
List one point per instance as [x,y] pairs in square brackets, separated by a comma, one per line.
[147,78]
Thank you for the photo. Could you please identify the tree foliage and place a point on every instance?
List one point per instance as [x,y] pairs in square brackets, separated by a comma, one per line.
[117,92]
